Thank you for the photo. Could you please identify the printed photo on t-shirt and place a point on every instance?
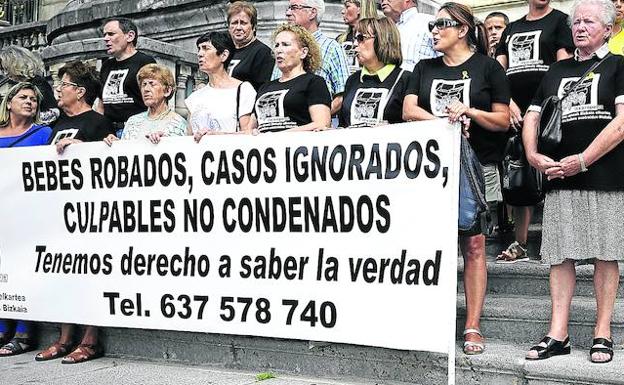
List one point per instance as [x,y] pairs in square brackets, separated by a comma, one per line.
[68,133]
[445,92]
[270,111]
[113,91]
[582,103]
[368,106]
[524,48]
[349,49]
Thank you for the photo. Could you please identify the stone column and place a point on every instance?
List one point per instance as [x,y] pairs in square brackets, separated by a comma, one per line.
[182,76]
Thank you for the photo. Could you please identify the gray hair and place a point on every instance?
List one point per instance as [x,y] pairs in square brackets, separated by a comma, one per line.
[319,5]
[606,15]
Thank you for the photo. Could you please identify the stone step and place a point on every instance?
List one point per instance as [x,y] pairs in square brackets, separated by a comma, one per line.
[318,359]
[524,319]
[503,363]
[531,279]
[155,357]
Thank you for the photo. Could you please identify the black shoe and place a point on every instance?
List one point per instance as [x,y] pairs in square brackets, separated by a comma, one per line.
[601,345]
[549,347]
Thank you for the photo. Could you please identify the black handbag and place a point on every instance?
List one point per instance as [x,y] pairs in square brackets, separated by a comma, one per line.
[522,184]
[549,126]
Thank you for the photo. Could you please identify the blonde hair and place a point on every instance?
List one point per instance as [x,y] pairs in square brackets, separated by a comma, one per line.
[312,61]
[242,6]
[387,43]
[160,73]
[5,116]
[20,64]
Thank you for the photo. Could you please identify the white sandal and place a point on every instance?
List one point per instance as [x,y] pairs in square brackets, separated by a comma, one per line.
[473,347]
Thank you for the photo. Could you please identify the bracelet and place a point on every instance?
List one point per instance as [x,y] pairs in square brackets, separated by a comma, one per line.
[582,162]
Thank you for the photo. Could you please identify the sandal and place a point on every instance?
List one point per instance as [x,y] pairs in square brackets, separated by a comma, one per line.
[56,350]
[601,345]
[473,347]
[83,353]
[17,345]
[550,347]
[515,252]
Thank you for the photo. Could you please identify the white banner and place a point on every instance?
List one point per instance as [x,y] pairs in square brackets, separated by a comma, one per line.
[344,236]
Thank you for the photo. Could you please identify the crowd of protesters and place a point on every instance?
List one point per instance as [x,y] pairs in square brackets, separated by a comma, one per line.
[392,64]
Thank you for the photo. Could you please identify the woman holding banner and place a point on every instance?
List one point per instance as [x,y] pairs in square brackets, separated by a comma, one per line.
[225,104]
[157,87]
[466,86]
[585,189]
[19,127]
[374,95]
[299,100]
[77,89]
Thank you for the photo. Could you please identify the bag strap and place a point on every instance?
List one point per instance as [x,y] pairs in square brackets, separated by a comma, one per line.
[578,82]
[23,137]
[238,90]
[395,83]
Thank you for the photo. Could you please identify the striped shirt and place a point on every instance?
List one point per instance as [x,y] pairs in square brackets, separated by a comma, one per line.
[416,40]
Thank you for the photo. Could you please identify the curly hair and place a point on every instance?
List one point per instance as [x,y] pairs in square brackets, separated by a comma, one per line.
[20,64]
[5,116]
[312,61]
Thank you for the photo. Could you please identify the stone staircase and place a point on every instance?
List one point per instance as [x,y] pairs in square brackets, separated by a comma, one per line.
[516,316]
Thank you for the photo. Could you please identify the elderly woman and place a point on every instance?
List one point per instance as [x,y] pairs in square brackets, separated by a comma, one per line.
[585,188]
[467,86]
[252,60]
[527,47]
[76,91]
[225,104]
[299,100]
[378,48]
[616,42]
[21,65]
[19,127]
[352,11]
[157,87]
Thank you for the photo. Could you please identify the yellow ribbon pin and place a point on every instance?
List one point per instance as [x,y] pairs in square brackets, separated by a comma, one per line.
[464,74]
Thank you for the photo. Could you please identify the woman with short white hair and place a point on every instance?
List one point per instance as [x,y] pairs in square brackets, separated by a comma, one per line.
[584,187]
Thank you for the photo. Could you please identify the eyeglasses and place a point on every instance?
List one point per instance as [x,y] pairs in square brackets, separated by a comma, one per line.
[63,84]
[297,7]
[442,24]
[360,37]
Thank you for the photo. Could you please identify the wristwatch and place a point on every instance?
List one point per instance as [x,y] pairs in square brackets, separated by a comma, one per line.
[582,162]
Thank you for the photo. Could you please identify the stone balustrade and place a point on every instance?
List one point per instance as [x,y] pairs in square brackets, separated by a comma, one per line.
[30,35]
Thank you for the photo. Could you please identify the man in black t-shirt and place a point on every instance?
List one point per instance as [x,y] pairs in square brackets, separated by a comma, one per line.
[121,95]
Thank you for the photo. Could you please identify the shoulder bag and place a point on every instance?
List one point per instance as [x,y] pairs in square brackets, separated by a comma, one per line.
[549,125]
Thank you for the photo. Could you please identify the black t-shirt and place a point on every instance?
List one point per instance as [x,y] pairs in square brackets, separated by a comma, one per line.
[531,47]
[348,45]
[253,63]
[477,83]
[121,94]
[89,126]
[585,113]
[280,106]
[366,102]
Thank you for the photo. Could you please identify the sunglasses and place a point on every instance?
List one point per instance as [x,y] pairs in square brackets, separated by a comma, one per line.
[442,24]
[360,37]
